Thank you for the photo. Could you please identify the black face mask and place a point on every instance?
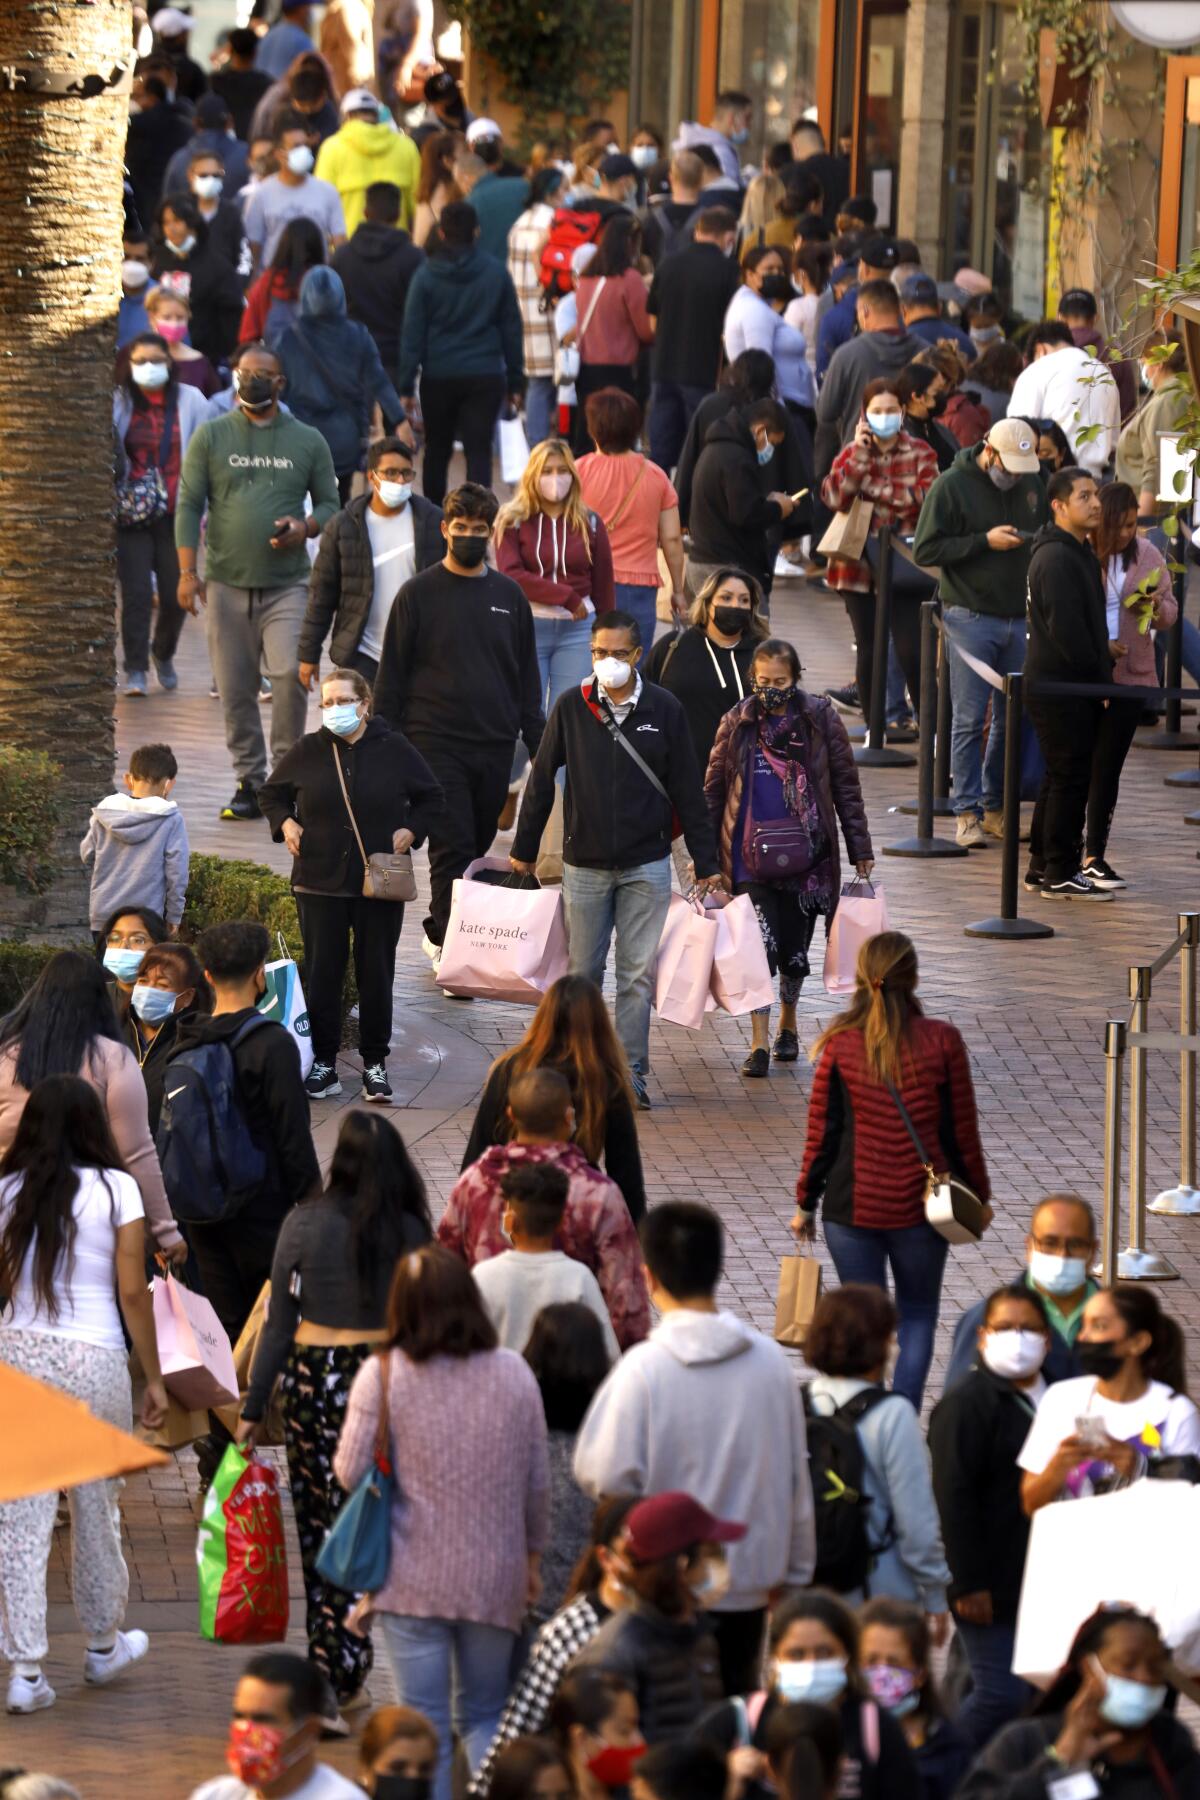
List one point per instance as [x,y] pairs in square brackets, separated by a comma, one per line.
[938,407]
[403,1787]
[776,287]
[469,551]
[255,392]
[731,620]
[1101,1360]
[771,697]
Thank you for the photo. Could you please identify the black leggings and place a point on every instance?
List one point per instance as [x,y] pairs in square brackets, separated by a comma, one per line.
[465,407]
[906,635]
[1118,722]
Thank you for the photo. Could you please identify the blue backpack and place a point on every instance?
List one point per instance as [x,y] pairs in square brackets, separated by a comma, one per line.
[211,1163]
[280,314]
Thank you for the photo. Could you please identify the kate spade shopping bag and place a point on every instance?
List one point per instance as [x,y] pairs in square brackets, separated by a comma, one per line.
[861,914]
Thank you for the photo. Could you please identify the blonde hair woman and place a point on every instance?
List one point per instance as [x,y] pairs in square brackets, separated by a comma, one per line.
[859,1161]
[762,220]
[558,552]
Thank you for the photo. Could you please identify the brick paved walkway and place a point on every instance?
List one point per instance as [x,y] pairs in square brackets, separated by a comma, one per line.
[1032,1013]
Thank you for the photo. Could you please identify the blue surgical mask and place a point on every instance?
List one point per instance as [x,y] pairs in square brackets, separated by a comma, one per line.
[1057,1274]
[1129,1705]
[152,1004]
[341,720]
[885,425]
[300,159]
[739,137]
[643,156]
[820,1681]
[765,452]
[123,964]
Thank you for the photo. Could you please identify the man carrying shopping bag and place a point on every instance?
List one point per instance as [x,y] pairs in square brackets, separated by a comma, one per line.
[632,784]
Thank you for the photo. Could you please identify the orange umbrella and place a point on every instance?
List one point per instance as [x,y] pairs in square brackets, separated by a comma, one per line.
[52,1441]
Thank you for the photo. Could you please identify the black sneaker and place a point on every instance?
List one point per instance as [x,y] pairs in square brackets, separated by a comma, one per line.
[375,1084]
[786,1047]
[758,1063]
[322,1081]
[244,804]
[1101,874]
[641,1098]
[845,699]
[1033,880]
[1075,887]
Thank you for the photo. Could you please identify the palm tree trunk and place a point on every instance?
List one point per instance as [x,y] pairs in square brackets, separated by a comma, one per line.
[61,162]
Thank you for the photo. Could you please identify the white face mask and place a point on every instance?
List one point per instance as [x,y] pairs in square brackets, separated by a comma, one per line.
[149,374]
[208,187]
[394,493]
[184,249]
[1014,1355]
[300,159]
[1057,1274]
[819,1681]
[612,672]
[643,156]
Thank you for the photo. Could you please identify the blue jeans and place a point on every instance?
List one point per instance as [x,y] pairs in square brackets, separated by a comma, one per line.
[917,1256]
[640,602]
[541,407]
[672,404]
[433,1659]
[564,653]
[1000,643]
[997,1695]
[633,902]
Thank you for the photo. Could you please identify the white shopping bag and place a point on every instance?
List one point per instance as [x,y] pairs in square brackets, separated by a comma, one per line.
[514,450]
[284,1002]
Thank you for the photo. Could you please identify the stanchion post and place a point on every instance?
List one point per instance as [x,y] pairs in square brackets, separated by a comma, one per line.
[875,753]
[1010,924]
[1171,736]
[1114,1082]
[1136,1263]
[1189,924]
[942,804]
[925,844]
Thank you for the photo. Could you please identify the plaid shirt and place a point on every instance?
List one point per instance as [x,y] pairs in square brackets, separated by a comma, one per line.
[554,1648]
[896,481]
[525,242]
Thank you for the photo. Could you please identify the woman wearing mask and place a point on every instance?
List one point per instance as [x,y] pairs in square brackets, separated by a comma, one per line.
[882,463]
[1165,398]
[614,320]
[921,392]
[811,266]
[334,1261]
[470,1507]
[397,1753]
[1097,1431]
[185,260]
[895,1647]
[994,375]
[572,1031]
[1104,1716]
[639,507]
[595,1721]
[803,1753]
[154,418]
[436,187]
[596,1591]
[274,296]
[1128,564]
[983,317]
[813,1658]
[569,1359]
[781,774]
[558,553]
[707,665]
[121,943]
[860,1157]
[964,417]
[72,1252]
[351,790]
[754,321]
[848,1343]
[170,317]
[170,986]
[1053,450]
[975,1437]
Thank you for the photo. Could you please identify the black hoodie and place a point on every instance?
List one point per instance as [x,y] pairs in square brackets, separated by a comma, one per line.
[1068,629]
[729,515]
[376,266]
[975,1436]
[272,1092]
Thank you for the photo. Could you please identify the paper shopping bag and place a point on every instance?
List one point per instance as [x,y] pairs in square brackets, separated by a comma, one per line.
[683,974]
[861,914]
[741,979]
[796,1299]
[241,1554]
[193,1350]
[514,450]
[244,1352]
[502,943]
[848,531]
[285,1003]
[182,1425]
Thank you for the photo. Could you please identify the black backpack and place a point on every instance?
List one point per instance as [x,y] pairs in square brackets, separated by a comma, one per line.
[838,1469]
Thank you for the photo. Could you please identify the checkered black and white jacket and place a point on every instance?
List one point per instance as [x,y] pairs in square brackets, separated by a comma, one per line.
[556,1645]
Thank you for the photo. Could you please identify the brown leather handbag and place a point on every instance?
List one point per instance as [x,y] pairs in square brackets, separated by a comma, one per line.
[386,876]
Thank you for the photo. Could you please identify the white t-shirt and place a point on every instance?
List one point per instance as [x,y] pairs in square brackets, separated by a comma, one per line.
[393,551]
[1112,596]
[1172,1415]
[87,1299]
[274,204]
[517,1284]
[323,1784]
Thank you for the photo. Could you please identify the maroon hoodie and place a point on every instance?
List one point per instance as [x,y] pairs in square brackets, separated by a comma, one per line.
[551,563]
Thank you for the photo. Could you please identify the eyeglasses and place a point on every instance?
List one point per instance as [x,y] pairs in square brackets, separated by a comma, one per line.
[1053,1246]
[324,705]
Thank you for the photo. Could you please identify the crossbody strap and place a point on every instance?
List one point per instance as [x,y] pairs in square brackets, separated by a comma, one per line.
[337,763]
[614,731]
[611,524]
[591,309]
[383,1430]
[911,1129]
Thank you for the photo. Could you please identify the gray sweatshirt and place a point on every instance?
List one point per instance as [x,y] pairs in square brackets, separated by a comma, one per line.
[710,1406]
[140,854]
[850,368]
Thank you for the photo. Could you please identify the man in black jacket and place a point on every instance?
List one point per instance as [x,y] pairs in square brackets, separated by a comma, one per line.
[729,515]
[631,770]
[458,674]
[1068,641]
[368,551]
[376,266]
[690,293]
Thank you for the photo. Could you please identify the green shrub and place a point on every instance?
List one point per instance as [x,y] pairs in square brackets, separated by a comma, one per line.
[29,792]
[20,966]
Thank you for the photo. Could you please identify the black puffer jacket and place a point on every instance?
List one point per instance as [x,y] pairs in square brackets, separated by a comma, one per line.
[343,577]
[671,1664]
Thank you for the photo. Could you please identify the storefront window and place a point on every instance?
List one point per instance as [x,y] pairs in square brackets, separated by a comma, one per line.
[881,106]
[663,75]
[768,48]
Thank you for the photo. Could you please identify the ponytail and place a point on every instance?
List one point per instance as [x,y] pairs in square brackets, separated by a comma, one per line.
[1140,1311]
[883,1002]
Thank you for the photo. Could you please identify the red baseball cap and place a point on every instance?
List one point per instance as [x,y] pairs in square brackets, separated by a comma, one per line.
[673,1522]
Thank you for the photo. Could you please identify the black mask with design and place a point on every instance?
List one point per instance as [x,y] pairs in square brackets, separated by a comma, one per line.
[1104,1361]
[769,698]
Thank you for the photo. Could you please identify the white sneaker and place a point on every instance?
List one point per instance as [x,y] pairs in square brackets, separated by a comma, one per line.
[101,1667]
[29,1694]
[432,951]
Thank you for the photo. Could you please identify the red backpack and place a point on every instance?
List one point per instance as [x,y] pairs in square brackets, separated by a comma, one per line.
[568,230]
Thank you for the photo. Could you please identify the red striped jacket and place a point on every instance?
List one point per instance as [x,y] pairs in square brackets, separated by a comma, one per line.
[858,1153]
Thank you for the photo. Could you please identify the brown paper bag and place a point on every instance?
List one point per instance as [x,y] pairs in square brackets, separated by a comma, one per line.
[180,1427]
[243,1362]
[796,1300]
[848,531]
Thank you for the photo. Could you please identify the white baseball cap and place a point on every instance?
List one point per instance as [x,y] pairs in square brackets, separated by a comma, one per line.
[359,100]
[170,22]
[482,128]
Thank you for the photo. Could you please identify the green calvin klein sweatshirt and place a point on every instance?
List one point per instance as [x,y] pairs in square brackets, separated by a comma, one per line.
[248,476]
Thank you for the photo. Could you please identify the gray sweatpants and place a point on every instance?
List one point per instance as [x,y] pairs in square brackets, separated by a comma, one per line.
[249,629]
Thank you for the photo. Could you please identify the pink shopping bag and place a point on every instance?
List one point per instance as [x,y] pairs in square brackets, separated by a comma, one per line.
[502,943]
[684,969]
[861,914]
[195,1353]
[741,980]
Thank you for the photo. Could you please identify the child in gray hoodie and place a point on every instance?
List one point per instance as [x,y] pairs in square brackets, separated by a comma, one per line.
[138,842]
